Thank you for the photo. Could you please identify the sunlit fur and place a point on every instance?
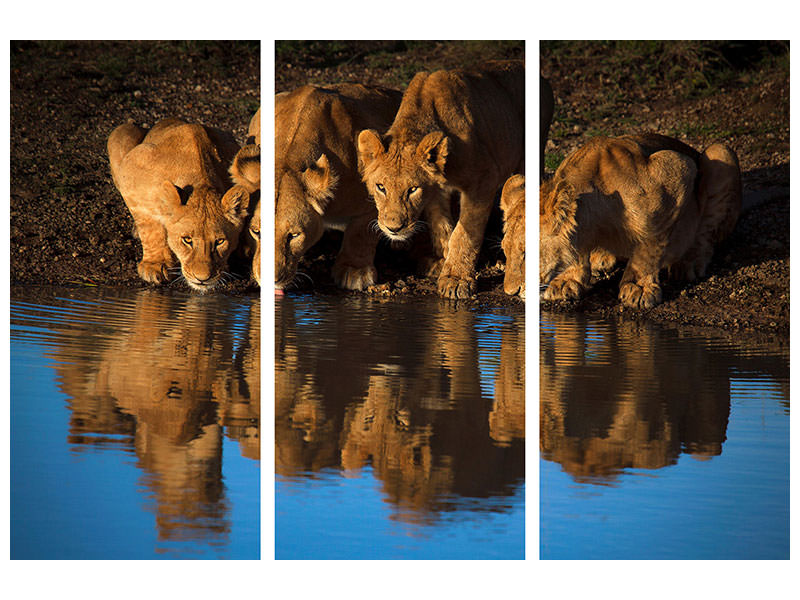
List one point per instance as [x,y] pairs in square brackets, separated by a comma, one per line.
[317,184]
[512,203]
[246,171]
[173,179]
[455,130]
[648,198]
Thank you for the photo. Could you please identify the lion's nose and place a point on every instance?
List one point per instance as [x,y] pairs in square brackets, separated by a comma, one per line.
[394,225]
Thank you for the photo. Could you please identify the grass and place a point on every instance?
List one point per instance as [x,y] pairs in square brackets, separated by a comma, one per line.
[552,160]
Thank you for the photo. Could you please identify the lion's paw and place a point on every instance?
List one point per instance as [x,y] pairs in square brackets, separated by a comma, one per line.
[563,289]
[153,271]
[456,288]
[354,278]
[633,295]
[601,261]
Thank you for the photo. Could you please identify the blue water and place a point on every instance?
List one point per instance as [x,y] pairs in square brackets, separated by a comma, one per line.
[399,430]
[97,472]
[661,444]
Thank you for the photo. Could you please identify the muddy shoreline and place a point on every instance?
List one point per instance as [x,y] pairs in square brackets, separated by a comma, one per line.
[69,226]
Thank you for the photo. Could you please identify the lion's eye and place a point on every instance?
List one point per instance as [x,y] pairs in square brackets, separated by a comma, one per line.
[380,188]
[219,242]
[292,236]
[187,240]
[256,233]
[412,189]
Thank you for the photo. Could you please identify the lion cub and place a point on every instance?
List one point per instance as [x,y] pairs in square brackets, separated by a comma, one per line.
[636,197]
[246,171]
[512,203]
[173,179]
[317,183]
[454,130]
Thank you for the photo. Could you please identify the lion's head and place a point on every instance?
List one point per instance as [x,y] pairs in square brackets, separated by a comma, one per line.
[402,178]
[512,203]
[556,223]
[203,230]
[300,201]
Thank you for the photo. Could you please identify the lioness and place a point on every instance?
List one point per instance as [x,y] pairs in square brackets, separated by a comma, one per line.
[512,203]
[173,179]
[246,171]
[459,130]
[637,197]
[317,183]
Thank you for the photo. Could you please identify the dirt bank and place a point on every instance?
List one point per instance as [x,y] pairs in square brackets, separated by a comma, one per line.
[69,225]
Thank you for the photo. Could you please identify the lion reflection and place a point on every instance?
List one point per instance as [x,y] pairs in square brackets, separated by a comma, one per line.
[357,385]
[611,399]
[175,376]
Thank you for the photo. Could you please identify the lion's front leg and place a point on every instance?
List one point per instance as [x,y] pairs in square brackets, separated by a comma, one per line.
[439,217]
[571,283]
[354,268]
[157,258]
[457,279]
[640,287]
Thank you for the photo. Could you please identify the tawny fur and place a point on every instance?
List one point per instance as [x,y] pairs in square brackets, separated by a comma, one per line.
[255,235]
[512,203]
[245,170]
[317,182]
[173,179]
[461,130]
[648,198]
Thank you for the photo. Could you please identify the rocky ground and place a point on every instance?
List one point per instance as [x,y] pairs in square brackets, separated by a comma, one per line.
[69,226]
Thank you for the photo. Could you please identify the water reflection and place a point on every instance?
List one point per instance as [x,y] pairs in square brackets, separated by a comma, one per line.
[429,396]
[622,407]
[164,376]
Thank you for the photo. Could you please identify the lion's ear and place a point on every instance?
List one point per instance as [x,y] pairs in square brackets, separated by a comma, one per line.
[235,204]
[369,146]
[170,198]
[508,197]
[433,150]
[320,182]
[246,167]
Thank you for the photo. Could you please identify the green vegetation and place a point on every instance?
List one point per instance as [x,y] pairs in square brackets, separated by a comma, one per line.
[552,160]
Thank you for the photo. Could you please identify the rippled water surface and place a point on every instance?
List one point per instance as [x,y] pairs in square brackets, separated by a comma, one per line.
[661,443]
[134,425]
[399,429]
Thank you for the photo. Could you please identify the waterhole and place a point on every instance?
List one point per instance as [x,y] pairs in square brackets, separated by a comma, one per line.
[399,429]
[662,443]
[134,425]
